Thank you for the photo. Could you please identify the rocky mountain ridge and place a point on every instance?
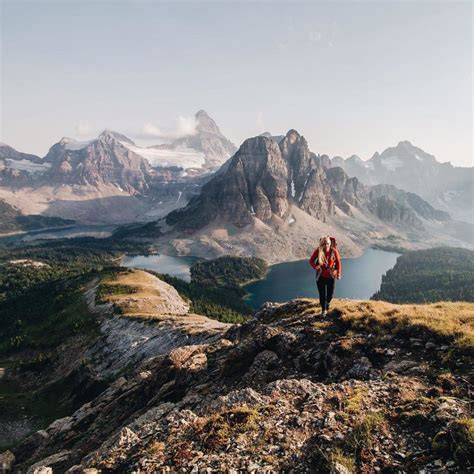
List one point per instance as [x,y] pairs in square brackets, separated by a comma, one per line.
[78,178]
[287,390]
[272,200]
[156,321]
[105,160]
[263,178]
[408,167]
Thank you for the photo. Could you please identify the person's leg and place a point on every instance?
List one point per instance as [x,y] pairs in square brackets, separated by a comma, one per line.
[322,292]
[331,283]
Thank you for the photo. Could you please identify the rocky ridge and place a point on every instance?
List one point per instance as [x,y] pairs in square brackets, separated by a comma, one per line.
[408,167]
[102,161]
[77,179]
[264,178]
[84,365]
[272,200]
[374,387]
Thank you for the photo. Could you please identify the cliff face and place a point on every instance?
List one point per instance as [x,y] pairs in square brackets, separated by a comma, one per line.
[366,388]
[17,168]
[153,320]
[264,178]
[254,184]
[102,161]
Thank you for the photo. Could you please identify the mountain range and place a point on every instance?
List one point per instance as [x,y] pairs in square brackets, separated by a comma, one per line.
[408,167]
[91,180]
[272,193]
[273,200]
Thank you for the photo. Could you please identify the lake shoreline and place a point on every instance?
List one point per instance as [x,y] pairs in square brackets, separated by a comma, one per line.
[363,275]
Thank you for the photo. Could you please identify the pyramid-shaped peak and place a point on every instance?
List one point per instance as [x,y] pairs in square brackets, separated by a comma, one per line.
[204,123]
[201,113]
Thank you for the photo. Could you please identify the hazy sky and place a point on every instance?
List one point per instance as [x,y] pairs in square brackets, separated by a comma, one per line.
[353,77]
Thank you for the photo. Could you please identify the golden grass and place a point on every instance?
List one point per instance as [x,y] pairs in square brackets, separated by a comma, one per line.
[147,303]
[451,319]
[455,319]
[145,298]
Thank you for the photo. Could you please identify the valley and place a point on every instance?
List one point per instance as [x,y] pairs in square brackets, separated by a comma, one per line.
[146,288]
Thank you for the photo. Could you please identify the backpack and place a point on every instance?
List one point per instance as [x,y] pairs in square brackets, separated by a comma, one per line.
[332,254]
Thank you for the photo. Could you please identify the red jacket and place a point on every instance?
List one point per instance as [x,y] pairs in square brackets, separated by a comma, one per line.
[334,267]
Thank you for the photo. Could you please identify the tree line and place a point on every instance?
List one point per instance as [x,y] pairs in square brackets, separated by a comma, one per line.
[426,276]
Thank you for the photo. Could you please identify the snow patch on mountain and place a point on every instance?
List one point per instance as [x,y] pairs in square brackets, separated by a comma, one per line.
[75,145]
[162,158]
[27,165]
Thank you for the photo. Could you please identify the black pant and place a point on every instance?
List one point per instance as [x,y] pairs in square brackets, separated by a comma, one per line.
[326,290]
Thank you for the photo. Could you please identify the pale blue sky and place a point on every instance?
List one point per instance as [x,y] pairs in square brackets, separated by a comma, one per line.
[353,77]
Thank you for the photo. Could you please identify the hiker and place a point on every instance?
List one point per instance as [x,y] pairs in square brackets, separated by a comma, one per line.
[327,263]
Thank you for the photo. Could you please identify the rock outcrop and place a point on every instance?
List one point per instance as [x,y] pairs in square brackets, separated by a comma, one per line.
[365,389]
[105,160]
[151,321]
[263,178]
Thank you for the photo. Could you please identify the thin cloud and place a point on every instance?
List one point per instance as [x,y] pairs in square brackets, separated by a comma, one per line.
[84,129]
[182,126]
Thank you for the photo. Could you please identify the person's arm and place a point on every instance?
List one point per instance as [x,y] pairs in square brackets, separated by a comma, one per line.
[338,264]
[314,258]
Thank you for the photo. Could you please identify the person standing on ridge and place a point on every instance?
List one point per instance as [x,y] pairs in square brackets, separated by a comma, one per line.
[327,263]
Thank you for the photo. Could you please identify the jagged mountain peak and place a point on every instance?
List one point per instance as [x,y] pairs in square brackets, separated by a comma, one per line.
[275,138]
[201,113]
[257,147]
[204,123]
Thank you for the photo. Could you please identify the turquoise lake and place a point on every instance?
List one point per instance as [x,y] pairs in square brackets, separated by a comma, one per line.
[361,276]
[174,266]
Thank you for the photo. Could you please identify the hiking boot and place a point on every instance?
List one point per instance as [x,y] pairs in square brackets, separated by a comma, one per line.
[324,313]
